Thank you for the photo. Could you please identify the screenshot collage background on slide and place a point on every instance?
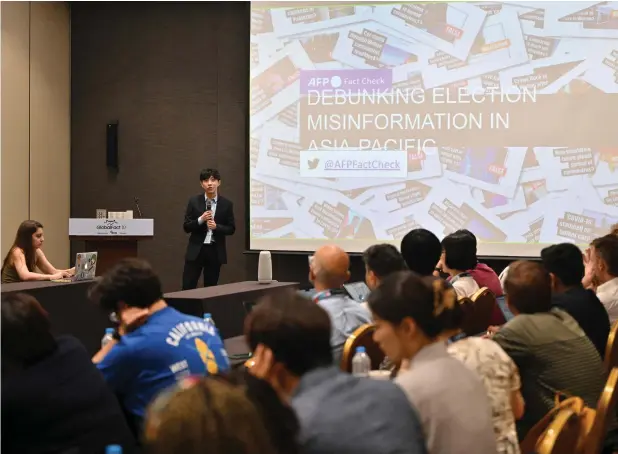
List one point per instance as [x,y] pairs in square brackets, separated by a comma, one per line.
[371,119]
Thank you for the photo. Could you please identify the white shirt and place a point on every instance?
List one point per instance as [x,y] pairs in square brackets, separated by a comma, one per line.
[464,285]
[213,208]
[608,295]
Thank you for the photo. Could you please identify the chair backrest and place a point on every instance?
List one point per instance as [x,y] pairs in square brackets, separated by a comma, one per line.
[477,313]
[605,414]
[562,434]
[611,349]
[362,337]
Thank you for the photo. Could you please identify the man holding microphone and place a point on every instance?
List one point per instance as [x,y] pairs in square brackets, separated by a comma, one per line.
[209,219]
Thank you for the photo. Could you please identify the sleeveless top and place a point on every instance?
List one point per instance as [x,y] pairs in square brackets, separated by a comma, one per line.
[9,274]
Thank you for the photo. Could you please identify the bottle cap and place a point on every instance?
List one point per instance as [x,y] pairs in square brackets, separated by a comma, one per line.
[360,349]
[113,449]
[207,315]
[109,330]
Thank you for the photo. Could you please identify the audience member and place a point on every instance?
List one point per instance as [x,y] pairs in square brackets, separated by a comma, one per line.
[410,313]
[483,274]
[500,377]
[53,398]
[551,350]
[566,269]
[603,266]
[338,413]
[380,261]
[328,271]
[459,255]
[155,343]
[206,415]
[421,251]
[26,261]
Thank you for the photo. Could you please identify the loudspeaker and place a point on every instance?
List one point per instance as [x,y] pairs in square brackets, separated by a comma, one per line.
[265,268]
[111,156]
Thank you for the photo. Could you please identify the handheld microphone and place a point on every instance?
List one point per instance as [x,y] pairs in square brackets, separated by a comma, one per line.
[139,212]
[208,205]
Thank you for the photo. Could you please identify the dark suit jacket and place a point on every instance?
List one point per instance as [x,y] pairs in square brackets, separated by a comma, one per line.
[224,218]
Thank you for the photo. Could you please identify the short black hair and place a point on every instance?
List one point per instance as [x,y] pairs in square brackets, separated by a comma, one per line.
[26,331]
[429,301]
[528,287]
[421,251]
[460,250]
[295,328]
[131,281]
[205,174]
[565,261]
[607,249]
[383,259]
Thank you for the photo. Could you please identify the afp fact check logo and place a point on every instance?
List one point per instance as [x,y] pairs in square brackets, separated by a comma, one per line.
[355,79]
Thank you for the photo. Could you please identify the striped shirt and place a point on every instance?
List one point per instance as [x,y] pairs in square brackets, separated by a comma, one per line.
[553,355]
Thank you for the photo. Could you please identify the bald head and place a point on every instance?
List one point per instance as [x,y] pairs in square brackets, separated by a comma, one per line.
[528,287]
[330,267]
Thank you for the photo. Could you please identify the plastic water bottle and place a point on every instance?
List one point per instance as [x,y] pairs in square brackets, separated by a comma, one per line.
[361,364]
[113,449]
[208,319]
[108,337]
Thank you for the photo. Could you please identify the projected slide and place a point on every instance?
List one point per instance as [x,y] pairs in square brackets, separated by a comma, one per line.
[370,119]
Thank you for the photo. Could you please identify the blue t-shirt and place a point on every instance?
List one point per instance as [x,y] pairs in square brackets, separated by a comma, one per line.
[168,347]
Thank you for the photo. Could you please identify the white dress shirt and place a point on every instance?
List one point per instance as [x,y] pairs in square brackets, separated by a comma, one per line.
[608,295]
[213,208]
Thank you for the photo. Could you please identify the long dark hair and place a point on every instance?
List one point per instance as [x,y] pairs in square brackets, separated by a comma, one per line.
[26,331]
[23,240]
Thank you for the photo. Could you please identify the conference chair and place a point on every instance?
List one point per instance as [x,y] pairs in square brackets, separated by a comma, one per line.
[478,312]
[562,434]
[576,405]
[605,414]
[362,337]
[611,349]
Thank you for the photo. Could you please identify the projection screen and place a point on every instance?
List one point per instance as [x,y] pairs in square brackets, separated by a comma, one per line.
[368,120]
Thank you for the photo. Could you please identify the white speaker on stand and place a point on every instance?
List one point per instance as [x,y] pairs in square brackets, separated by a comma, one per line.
[265,268]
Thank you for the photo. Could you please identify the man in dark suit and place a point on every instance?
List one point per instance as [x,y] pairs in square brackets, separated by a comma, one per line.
[209,219]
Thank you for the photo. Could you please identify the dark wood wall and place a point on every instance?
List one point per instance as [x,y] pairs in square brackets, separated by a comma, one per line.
[176,77]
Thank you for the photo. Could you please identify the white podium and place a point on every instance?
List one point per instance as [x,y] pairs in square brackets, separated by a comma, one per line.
[113,239]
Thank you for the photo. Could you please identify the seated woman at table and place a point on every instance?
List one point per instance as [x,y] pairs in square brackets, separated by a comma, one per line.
[26,256]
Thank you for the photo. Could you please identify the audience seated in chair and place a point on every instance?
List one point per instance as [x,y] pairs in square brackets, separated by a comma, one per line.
[380,261]
[602,267]
[565,265]
[156,343]
[212,415]
[550,349]
[499,375]
[328,271]
[458,256]
[421,250]
[53,398]
[338,413]
[410,313]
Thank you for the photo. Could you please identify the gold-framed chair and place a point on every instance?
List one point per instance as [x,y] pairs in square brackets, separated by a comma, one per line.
[605,413]
[611,349]
[362,337]
[562,435]
[478,311]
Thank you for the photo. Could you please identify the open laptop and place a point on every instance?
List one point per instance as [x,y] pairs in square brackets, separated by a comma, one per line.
[85,267]
[358,291]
